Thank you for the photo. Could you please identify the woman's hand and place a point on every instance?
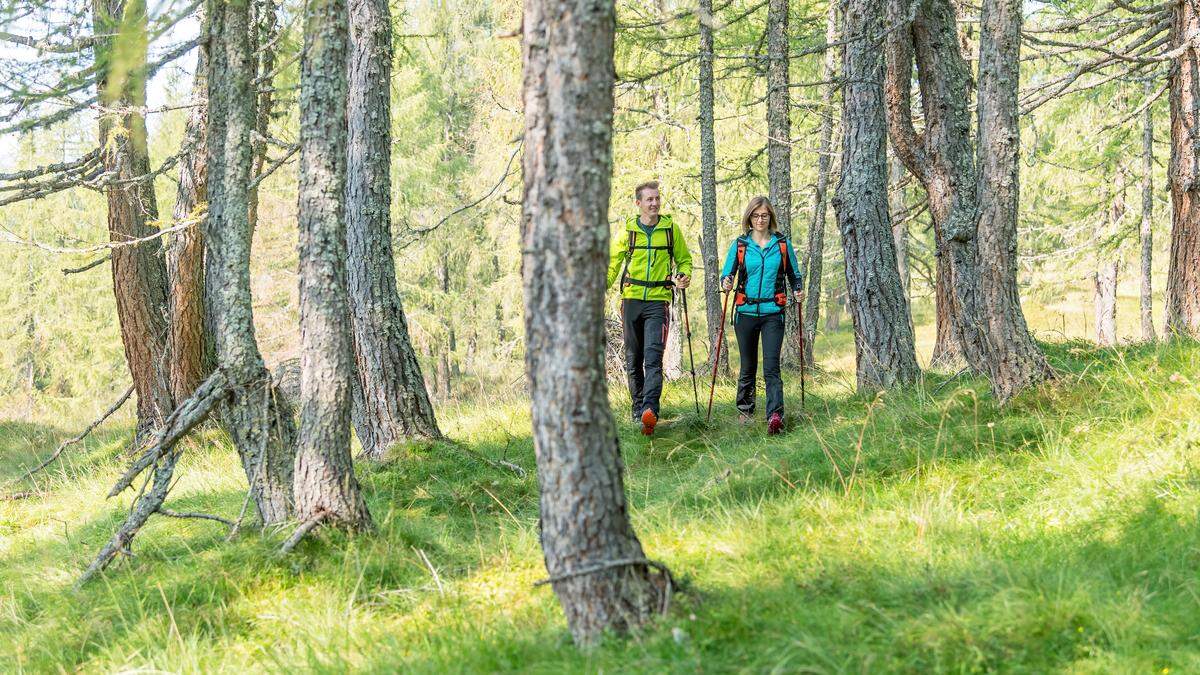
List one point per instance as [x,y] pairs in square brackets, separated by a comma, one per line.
[727,283]
[799,295]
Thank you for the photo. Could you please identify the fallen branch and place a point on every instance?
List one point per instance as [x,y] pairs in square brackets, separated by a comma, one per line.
[82,435]
[199,516]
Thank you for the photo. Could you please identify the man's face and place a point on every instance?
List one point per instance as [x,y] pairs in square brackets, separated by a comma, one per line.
[648,203]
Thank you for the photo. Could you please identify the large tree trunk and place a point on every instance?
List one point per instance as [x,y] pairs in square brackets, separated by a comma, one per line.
[1016,361]
[883,336]
[258,417]
[390,400]
[595,560]
[1146,228]
[708,191]
[139,272]
[325,483]
[190,356]
[942,159]
[816,228]
[1183,273]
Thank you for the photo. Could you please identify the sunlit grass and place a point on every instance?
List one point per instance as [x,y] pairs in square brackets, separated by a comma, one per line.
[918,531]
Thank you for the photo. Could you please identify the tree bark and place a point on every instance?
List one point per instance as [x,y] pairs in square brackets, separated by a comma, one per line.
[265,29]
[1146,229]
[188,341]
[390,400]
[1104,280]
[883,337]
[596,563]
[257,416]
[325,485]
[1183,273]
[139,272]
[1015,359]
[708,190]
[814,266]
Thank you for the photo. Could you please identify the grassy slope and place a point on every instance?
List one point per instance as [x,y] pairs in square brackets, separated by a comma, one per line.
[921,531]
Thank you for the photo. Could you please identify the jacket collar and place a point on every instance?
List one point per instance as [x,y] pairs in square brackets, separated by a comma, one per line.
[631,223]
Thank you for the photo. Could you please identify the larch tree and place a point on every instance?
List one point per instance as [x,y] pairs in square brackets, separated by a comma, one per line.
[390,402]
[1146,226]
[883,338]
[139,272]
[708,188]
[779,138]
[1104,279]
[1015,361]
[815,256]
[257,416]
[596,564]
[1183,272]
[325,487]
[190,359]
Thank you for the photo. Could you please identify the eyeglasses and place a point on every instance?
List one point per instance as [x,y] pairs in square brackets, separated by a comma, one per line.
[760,216]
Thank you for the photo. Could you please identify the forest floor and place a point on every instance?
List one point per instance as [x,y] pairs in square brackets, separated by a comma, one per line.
[919,531]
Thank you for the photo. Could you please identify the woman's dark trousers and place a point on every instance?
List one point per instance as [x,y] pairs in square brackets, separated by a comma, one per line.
[751,330]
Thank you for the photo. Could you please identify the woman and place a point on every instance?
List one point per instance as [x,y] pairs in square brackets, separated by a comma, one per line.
[757,266]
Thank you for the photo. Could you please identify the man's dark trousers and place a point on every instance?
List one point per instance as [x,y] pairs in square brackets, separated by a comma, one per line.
[750,329]
[645,340]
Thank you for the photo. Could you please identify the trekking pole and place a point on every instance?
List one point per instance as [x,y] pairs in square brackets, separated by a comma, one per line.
[687,329]
[800,327]
[717,356]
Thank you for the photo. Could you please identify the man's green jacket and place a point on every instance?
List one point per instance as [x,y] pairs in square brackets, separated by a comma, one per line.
[648,265]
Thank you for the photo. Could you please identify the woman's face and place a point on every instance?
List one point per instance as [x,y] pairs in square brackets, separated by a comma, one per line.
[760,220]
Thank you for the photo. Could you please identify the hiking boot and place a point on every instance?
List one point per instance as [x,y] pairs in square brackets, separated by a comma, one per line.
[774,424]
[649,419]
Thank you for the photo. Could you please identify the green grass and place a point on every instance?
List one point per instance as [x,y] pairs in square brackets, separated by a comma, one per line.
[919,531]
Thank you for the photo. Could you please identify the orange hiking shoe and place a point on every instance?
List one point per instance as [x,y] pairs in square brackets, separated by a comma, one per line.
[774,424]
[649,419]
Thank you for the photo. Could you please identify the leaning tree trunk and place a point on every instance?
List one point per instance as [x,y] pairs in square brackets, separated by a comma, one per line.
[325,484]
[190,361]
[139,272]
[1183,273]
[1015,359]
[1146,228]
[257,416]
[708,192]
[816,228]
[883,336]
[391,403]
[596,563]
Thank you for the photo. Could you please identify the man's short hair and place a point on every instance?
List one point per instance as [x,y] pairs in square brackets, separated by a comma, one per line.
[648,185]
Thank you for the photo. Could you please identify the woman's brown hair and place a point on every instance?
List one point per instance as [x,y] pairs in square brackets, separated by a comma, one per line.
[752,207]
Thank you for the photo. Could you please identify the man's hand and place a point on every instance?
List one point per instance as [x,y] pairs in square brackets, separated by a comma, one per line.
[682,281]
[727,283]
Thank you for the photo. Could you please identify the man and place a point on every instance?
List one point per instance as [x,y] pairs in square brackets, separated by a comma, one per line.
[643,255]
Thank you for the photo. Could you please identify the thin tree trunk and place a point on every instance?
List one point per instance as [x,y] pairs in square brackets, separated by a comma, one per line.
[1146,229]
[1015,359]
[325,484]
[390,400]
[1104,280]
[898,208]
[596,563]
[1183,272]
[139,272]
[258,417]
[265,28]
[883,337]
[190,356]
[708,190]
[814,266]
[779,143]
